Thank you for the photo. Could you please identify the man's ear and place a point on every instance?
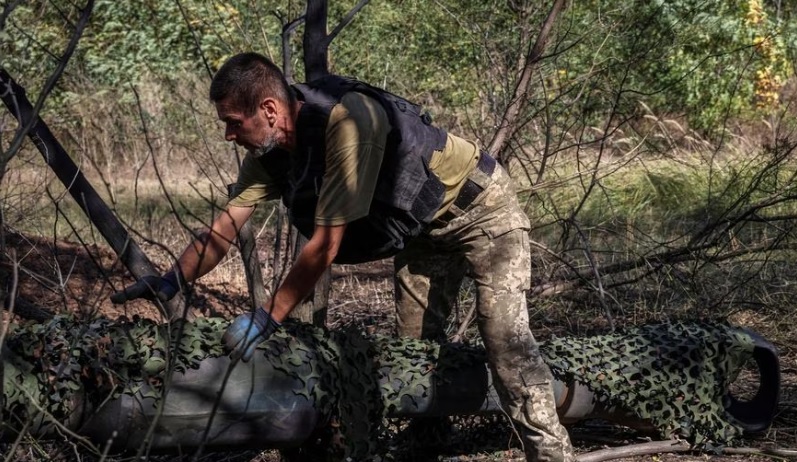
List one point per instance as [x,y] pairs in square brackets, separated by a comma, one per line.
[270,109]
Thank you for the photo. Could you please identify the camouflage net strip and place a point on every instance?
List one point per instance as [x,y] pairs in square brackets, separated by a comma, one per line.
[675,375]
[342,383]
[48,363]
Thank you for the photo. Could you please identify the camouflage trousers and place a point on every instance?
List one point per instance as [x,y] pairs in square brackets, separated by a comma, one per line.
[487,241]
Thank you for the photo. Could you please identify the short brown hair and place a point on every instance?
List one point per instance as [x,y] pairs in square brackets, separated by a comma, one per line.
[245,79]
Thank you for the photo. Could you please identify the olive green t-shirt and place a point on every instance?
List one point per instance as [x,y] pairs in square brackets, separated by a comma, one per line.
[355,139]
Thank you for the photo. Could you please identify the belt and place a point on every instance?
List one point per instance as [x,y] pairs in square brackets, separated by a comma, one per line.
[471,190]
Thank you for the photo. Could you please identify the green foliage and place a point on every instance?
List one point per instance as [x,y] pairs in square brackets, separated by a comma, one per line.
[452,56]
[693,58]
[706,60]
[124,42]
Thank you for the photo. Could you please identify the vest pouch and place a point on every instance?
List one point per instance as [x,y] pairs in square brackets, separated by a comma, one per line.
[376,236]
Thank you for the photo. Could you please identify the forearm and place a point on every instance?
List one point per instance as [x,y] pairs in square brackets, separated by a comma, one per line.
[249,329]
[299,283]
[207,250]
[316,256]
[202,255]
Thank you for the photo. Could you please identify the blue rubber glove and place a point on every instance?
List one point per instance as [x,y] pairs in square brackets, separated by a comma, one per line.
[163,288]
[247,331]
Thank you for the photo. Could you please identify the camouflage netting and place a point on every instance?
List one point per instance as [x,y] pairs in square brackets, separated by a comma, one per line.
[674,375]
[46,364]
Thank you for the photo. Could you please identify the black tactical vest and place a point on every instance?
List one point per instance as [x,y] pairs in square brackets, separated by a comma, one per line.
[407,193]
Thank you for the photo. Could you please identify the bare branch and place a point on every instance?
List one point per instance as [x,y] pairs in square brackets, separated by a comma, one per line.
[596,273]
[176,308]
[197,43]
[287,34]
[464,324]
[77,185]
[653,264]
[316,40]
[259,20]
[509,118]
[346,20]
[18,440]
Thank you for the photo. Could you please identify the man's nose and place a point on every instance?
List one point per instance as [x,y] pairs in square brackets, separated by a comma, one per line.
[229,134]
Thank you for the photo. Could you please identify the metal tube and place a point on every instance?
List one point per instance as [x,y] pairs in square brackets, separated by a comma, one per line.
[273,400]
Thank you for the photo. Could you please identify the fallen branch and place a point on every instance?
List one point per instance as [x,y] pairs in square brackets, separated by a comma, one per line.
[673,446]
[787,453]
[653,447]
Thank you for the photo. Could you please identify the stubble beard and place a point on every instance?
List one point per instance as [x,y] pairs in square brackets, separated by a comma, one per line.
[267,145]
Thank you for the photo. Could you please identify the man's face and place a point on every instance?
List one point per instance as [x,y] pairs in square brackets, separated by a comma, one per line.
[255,133]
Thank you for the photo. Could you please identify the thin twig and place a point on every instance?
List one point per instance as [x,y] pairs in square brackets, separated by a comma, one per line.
[596,273]
[12,255]
[178,307]
[464,324]
[193,33]
[672,446]
[13,449]
[58,425]
[7,9]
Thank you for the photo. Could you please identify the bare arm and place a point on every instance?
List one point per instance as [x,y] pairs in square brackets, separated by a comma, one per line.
[316,256]
[205,252]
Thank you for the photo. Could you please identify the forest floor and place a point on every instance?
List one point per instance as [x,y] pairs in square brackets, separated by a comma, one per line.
[60,276]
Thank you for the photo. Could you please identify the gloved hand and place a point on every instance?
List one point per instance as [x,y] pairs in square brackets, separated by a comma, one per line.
[164,288]
[247,331]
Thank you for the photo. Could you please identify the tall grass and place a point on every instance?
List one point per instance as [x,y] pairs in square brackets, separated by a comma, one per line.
[663,225]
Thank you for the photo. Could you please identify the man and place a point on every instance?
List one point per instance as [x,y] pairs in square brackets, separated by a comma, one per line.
[365,175]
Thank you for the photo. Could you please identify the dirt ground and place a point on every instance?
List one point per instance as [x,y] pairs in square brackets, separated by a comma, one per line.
[54,277]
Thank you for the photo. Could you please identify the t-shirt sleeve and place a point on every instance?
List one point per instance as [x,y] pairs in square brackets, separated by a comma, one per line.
[452,166]
[254,184]
[355,144]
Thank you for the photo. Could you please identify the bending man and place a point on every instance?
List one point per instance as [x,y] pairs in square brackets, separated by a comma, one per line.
[365,175]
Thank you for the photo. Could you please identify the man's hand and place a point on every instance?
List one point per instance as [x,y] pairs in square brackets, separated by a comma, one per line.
[163,288]
[247,331]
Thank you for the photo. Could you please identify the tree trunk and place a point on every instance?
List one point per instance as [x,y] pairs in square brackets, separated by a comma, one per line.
[316,47]
[247,244]
[316,40]
[315,43]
